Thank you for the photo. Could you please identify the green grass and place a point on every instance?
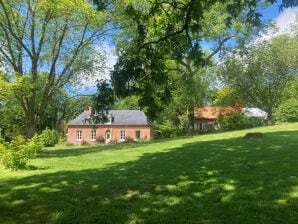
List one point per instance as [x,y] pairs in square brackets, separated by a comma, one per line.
[216,178]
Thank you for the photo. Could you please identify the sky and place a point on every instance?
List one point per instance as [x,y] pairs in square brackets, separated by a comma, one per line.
[283,19]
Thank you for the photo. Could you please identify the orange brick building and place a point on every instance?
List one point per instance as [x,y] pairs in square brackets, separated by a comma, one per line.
[123,125]
[206,118]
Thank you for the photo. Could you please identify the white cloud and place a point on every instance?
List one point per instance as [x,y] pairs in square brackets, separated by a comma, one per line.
[282,24]
[285,19]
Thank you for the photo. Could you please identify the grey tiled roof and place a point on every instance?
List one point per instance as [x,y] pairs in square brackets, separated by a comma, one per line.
[120,117]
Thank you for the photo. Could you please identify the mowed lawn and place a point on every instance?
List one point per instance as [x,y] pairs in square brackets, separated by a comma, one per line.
[214,178]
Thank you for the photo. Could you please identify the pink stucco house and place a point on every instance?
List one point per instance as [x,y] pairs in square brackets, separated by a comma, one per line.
[123,125]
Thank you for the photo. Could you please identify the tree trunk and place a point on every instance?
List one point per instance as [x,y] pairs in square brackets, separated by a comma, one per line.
[190,119]
[31,120]
[269,119]
[270,116]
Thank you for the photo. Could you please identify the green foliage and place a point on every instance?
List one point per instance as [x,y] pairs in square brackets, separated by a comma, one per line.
[169,129]
[287,111]
[164,130]
[73,107]
[102,102]
[263,71]
[128,103]
[226,96]
[239,121]
[164,38]
[47,138]
[58,52]
[16,154]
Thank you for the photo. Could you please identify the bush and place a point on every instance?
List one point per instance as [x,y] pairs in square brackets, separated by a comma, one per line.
[165,130]
[2,150]
[287,111]
[239,121]
[48,138]
[16,154]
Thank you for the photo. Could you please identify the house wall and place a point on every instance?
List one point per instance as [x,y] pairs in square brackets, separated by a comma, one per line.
[146,132]
[206,124]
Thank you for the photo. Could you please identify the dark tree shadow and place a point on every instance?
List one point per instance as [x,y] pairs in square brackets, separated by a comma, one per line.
[222,181]
[69,151]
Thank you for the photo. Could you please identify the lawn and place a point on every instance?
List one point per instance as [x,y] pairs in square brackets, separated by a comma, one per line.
[207,179]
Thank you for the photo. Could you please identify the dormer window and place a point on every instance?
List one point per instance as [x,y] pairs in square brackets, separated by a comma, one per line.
[110,119]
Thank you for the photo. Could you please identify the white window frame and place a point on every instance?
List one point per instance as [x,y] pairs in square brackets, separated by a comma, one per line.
[79,135]
[109,119]
[137,136]
[93,135]
[122,135]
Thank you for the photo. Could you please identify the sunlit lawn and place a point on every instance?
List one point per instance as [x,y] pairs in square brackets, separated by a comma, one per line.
[216,178]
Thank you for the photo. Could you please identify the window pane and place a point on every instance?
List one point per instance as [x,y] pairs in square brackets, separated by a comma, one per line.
[93,135]
[138,134]
[122,135]
[79,135]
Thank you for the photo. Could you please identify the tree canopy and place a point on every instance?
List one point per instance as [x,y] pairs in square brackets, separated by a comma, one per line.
[45,45]
[152,33]
[261,72]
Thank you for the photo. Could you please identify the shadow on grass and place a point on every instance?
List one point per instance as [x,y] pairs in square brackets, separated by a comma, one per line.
[70,151]
[221,181]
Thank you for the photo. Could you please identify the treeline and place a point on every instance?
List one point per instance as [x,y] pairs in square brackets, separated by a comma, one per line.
[163,66]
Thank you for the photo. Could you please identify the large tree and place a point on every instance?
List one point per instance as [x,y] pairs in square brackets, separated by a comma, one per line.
[153,33]
[45,45]
[261,72]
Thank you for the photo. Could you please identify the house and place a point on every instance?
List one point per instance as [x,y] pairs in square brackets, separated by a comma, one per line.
[122,125]
[206,118]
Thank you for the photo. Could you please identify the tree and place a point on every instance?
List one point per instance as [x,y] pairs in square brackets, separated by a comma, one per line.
[103,101]
[72,107]
[261,72]
[46,45]
[154,33]
[226,96]
[127,103]
[287,111]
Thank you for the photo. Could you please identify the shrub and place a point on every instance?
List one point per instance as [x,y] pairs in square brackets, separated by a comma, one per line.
[16,154]
[287,111]
[36,142]
[164,130]
[239,121]
[48,138]
[100,139]
[2,150]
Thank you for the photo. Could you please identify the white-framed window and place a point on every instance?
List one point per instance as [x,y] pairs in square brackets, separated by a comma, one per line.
[122,135]
[202,126]
[79,136]
[109,119]
[93,135]
[138,134]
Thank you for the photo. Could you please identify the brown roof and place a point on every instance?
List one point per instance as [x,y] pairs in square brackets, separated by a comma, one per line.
[210,112]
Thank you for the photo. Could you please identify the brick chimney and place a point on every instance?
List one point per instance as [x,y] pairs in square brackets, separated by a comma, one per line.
[90,111]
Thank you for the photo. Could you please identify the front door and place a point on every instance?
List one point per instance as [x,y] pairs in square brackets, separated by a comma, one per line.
[108,136]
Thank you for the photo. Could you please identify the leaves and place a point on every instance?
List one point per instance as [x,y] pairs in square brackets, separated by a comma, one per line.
[47,45]
[261,72]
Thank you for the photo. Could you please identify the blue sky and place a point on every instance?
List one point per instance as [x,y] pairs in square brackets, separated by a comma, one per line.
[283,18]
